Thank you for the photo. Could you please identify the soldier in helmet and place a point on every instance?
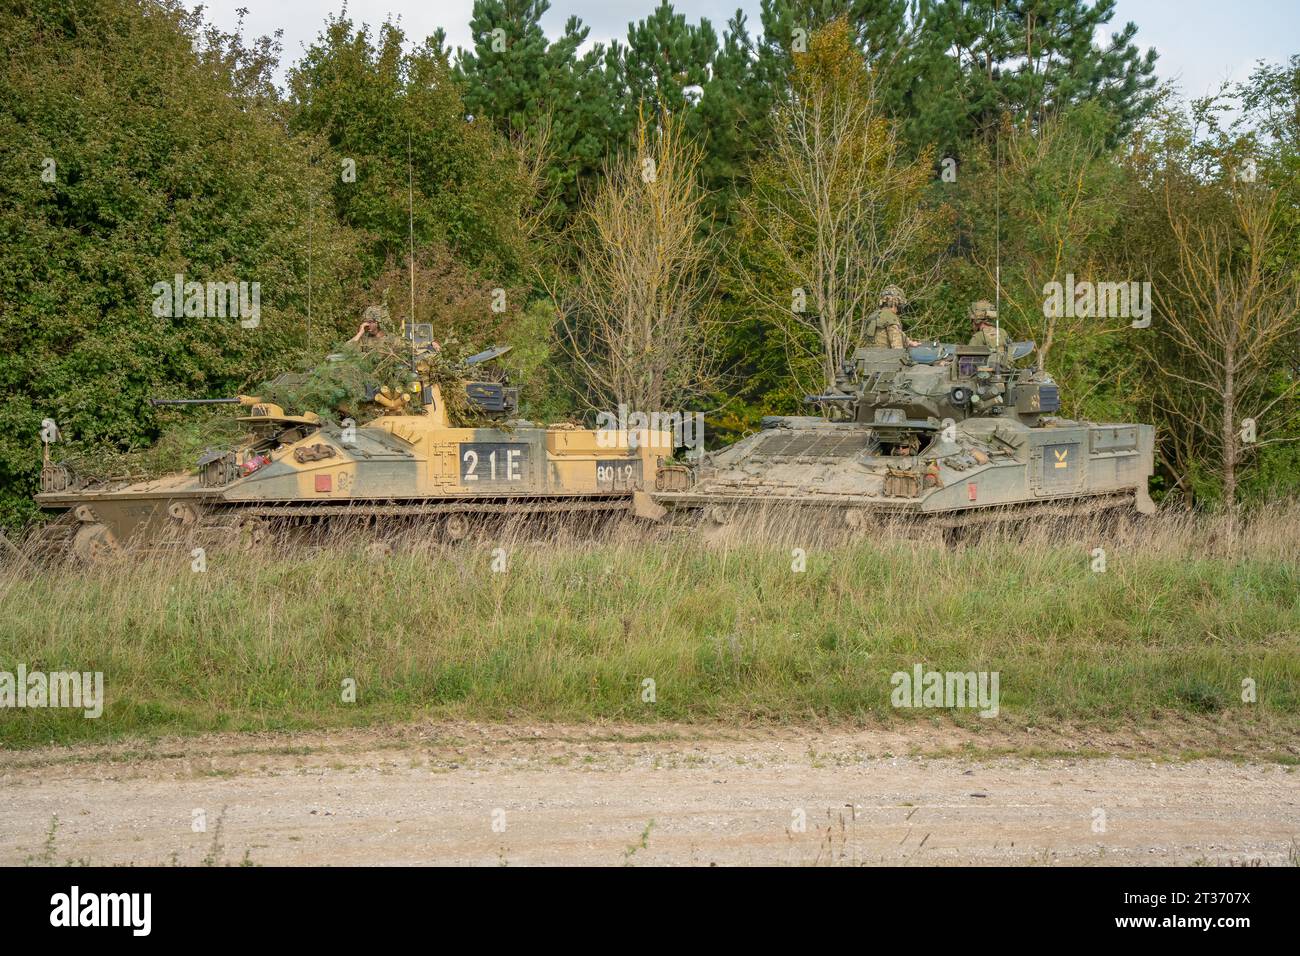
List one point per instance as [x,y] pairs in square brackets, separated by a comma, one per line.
[368,331]
[884,328]
[983,320]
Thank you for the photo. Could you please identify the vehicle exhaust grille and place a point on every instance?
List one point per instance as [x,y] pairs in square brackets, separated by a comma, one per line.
[788,445]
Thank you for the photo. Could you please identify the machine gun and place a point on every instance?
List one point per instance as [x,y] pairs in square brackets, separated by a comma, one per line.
[838,406]
[489,394]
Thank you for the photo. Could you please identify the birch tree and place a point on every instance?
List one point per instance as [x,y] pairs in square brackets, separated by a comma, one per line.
[836,208]
[637,322]
[1232,316]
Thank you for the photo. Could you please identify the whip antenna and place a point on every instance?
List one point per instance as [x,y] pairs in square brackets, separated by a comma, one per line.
[997,236]
[410,225]
[310,223]
[997,213]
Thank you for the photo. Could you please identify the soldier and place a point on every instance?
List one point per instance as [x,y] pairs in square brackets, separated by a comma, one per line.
[987,335]
[884,328]
[369,329]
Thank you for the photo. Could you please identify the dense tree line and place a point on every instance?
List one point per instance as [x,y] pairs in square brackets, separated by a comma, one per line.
[970,141]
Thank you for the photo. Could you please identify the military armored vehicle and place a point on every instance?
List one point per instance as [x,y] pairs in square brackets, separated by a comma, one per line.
[407,466]
[955,435]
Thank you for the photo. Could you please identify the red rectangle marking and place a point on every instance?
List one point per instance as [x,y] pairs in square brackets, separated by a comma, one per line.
[972,491]
[324,483]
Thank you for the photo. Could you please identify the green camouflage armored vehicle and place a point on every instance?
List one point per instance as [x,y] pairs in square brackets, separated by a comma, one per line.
[953,434]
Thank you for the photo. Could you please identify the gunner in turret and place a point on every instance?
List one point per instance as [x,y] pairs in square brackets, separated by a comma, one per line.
[987,334]
[884,328]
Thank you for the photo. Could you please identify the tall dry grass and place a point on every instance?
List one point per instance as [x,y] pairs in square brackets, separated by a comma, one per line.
[719,620]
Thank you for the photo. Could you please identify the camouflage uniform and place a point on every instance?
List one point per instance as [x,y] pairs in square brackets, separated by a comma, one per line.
[884,329]
[987,334]
[989,337]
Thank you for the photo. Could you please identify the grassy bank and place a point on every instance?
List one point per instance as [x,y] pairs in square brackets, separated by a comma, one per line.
[572,629]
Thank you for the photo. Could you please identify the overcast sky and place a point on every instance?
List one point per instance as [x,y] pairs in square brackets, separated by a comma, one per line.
[1200,42]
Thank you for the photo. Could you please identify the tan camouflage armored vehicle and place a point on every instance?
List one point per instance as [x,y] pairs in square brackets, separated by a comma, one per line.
[408,466]
[953,434]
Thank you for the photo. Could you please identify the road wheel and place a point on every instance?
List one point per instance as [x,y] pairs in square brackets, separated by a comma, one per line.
[254,533]
[455,527]
[859,520]
[95,544]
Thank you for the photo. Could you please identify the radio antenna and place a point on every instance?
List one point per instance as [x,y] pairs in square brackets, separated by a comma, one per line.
[410,225]
[997,239]
[310,223]
[997,209]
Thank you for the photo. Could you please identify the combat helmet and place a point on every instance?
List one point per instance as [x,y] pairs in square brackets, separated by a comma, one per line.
[894,294]
[981,311]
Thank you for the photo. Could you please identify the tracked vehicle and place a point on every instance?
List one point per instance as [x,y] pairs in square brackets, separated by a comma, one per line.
[408,467]
[952,435]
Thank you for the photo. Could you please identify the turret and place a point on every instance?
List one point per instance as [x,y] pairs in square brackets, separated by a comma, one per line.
[907,395]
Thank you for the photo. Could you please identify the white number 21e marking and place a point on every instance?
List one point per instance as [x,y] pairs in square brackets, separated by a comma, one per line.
[509,467]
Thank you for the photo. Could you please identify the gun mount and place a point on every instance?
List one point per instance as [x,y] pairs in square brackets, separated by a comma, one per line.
[907,395]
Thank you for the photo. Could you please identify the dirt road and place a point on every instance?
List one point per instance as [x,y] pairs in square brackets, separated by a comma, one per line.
[517,795]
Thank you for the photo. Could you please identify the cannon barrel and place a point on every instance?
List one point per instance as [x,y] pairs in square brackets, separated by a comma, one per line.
[835,397]
[237,400]
[193,401]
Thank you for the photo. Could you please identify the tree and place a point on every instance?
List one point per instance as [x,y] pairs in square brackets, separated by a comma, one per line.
[949,69]
[971,61]
[637,322]
[142,145]
[835,211]
[521,81]
[1210,216]
[1038,205]
[727,118]
[395,119]
[664,56]
[1227,310]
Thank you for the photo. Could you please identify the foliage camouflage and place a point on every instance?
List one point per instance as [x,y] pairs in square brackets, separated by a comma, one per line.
[341,386]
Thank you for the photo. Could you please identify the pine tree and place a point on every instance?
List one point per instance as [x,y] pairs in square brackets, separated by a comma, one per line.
[520,81]
[950,68]
[665,55]
[973,60]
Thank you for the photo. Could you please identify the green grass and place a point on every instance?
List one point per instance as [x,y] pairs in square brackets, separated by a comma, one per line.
[570,632]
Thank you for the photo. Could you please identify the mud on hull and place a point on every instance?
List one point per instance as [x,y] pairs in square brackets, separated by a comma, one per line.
[985,468]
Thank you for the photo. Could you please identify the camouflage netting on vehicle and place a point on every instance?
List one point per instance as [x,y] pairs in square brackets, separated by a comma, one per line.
[447,370]
[340,386]
[343,385]
[185,434]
